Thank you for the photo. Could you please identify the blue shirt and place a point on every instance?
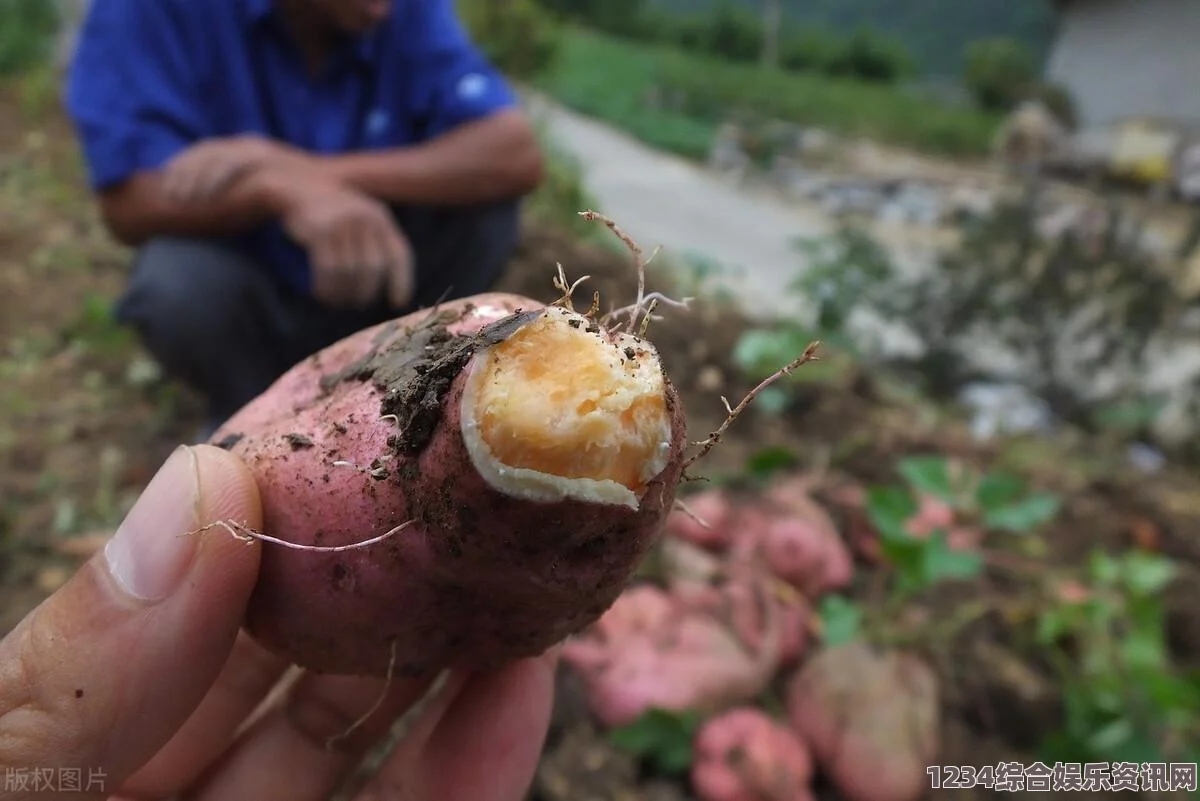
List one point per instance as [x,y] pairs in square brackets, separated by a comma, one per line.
[151,77]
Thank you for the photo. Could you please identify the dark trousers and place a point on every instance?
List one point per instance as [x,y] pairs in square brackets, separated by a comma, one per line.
[221,323]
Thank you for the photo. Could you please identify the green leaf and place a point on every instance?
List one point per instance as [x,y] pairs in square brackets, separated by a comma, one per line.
[840,620]
[1051,627]
[1103,568]
[1112,737]
[889,509]
[942,562]
[769,461]
[907,557]
[1143,650]
[1024,515]
[675,758]
[772,401]
[760,352]
[660,737]
[929,475]
[1147,573]
[997,489]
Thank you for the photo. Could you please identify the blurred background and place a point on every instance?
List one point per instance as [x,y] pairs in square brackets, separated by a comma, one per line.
[978,515]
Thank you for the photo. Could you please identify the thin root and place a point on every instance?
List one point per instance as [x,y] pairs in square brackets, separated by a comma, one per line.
[332,742]
[640,313]
[732,413]
[241,531]
[681,506]
[568,290]
[414,713]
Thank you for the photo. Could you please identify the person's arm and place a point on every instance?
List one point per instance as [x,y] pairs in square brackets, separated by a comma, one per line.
[137,209]
[134,94]
[492,158]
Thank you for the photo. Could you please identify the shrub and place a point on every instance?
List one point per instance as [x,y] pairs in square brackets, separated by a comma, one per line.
[871,56]
[808,50]
[734,33]
[519,36]
[27,31]
[999,73]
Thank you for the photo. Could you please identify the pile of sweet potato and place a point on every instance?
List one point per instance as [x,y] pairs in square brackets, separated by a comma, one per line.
[731,621]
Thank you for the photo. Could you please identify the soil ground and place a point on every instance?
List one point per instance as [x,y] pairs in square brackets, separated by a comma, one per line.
[84,422]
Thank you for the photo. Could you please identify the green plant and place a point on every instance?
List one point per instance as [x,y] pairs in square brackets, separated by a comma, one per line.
[999,72]
[519,36]
[1094,282]
[27,31]
[661,738]
[871,56]
[993,501]
[843,271]
[841,620]
[1123,699]
[674,97]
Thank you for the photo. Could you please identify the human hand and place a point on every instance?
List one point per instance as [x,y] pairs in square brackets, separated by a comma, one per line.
[207,168]
[353,242]
[135,675]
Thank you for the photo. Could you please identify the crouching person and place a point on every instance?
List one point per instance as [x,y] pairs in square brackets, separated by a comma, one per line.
[291,171]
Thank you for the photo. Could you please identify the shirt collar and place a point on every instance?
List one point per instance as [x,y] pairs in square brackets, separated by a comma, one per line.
[364,47]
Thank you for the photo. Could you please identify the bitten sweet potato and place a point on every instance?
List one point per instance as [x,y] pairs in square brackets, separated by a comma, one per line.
[471,485]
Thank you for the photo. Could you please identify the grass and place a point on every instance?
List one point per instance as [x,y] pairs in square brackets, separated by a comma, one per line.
[613,80]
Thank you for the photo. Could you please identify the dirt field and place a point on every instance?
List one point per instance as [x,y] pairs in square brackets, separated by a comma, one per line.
[84,422]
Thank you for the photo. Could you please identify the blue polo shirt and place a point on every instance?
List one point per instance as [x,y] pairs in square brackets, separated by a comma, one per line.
[151,77]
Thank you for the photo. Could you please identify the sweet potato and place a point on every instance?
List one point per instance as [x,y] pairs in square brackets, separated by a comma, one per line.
[800,541]
[743,755]
[463,487]
[870,718]
[654,651]
[706,520]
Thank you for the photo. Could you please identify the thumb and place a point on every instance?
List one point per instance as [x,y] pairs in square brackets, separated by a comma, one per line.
[97,678]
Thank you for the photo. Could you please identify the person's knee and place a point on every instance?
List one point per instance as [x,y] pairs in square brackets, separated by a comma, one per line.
[183,290]
[465,251]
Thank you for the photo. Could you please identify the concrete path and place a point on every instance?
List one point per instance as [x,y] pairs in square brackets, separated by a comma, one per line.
[662,200]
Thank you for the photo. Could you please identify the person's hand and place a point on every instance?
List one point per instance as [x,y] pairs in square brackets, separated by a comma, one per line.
[356,249]
[209,167]
[133,681]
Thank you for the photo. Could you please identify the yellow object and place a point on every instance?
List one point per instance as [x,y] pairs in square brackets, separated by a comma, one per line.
[1143,151]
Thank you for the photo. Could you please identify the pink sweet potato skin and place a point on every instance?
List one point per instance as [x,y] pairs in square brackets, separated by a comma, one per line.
[743,755]
[480,578]
[870,718]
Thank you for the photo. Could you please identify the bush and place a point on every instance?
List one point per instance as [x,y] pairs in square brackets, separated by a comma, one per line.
[734,33]
[808,50]
[27,32]
[519,36]
[1000,73]
[619,17]
[870,56]
[848,106]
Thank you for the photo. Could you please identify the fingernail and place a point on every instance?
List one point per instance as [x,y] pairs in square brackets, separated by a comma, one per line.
[149,554]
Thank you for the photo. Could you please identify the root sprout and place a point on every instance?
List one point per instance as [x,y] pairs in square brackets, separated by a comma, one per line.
[332,742]
[681,506]
[732,413]
[640,313]
[241,531]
